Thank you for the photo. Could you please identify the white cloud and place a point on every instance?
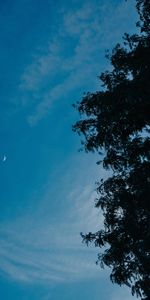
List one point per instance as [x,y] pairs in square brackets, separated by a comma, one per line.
[73,59]
[43,64]
[40,246]
[33,250]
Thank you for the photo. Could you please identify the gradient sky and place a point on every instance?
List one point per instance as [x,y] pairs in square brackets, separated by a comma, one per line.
[51,53]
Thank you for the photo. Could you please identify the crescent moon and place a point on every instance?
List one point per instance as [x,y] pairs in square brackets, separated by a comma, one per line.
[4,158]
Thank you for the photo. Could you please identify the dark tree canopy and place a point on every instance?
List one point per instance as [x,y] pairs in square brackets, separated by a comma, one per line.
[116,120]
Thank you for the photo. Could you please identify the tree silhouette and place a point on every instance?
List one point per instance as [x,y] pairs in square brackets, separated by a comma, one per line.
[116,120]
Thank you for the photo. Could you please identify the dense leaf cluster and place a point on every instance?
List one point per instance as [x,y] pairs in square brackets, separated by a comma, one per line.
[117,120]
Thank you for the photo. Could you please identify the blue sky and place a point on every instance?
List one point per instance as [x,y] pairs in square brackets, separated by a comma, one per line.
[51,53]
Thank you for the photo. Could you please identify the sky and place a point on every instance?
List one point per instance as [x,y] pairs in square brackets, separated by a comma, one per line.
[51,53]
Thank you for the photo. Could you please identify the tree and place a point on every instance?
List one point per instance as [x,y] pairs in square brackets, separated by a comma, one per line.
[116,120]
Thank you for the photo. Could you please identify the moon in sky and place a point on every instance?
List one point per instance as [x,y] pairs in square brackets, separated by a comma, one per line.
[4,158]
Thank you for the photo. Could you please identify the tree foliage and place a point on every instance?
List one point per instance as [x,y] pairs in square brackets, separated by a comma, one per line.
[116,119]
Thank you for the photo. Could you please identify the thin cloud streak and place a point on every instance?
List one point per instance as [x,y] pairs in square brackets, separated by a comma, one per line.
[38,248]
[75,57]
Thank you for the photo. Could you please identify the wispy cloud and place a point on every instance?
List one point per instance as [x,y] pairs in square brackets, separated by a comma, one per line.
[41,247]
[33,250]
[74,55]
